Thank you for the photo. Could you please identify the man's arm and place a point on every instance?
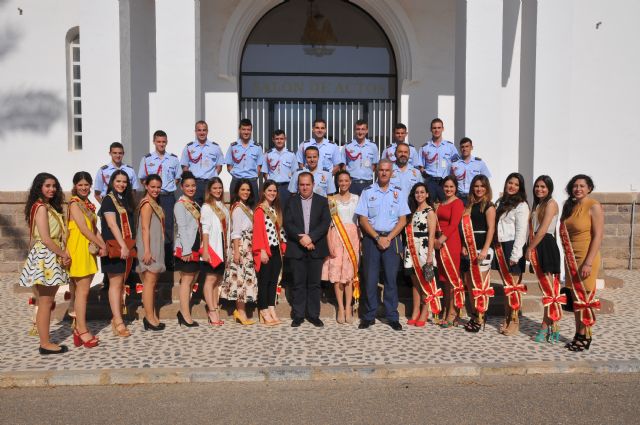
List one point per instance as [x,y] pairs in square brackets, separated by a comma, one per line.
[319,230]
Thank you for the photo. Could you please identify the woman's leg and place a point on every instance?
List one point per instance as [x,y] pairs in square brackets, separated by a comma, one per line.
[416,296]
[211,290]
[72,299]
[272,291]
[186,281]
[149,280]
[348,298]
[115,296]
[82,285]
[46,296]
[338,288]
[264,276]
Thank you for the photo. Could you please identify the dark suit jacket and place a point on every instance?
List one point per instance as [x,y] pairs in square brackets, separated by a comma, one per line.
[319,221]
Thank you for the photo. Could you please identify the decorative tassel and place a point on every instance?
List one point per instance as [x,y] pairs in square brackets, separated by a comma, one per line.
[33,331]
[195,287]
[139,287]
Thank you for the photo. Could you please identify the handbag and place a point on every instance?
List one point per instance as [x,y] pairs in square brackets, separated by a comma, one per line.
[113,248]
[427,271]
[93,248]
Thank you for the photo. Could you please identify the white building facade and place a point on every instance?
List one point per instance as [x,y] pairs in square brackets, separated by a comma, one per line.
[540,86]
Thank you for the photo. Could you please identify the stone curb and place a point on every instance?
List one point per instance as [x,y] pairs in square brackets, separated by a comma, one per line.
[303,373]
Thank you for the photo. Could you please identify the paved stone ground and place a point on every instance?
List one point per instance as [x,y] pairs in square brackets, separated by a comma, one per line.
[616,338]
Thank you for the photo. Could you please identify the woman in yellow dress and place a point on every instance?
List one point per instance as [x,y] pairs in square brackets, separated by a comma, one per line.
[84,243]
[584,221]
[45,268]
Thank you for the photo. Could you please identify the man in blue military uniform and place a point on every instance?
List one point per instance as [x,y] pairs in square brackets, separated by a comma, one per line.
[437,155]
[279,164]
[244,157]
[360,157]
[330,157]
[167,166]
[466,168]
[404,175]
[204,158]
[116,151]
[382,211]
[400,137]
[323,181]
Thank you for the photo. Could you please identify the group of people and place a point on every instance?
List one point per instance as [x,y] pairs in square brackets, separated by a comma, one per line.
[319,215]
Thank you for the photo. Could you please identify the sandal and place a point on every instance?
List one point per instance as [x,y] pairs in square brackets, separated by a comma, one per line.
[473,326]
[579,343]
[120,329]
[542,335]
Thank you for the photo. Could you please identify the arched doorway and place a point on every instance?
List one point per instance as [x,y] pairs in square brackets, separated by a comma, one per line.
[326,59]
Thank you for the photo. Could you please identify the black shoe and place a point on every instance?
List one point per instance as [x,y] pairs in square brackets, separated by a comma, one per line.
[296,322]
[395,325]
[364,324]
[44,351]
[316,322]
[182,321]
[148,325]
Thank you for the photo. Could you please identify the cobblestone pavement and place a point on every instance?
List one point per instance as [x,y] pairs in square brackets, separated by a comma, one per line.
[236,346]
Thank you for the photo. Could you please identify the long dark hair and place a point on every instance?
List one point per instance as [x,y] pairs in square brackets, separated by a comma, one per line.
[485,201]
[544,201]
[276,202]
[35,195]
[413,204]
[509,202]
[235,197]
[77,178]
[126,199]
[570,203]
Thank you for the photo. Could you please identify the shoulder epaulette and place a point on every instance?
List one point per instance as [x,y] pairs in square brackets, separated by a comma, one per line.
[478,158]
[234,143]
[213,143]
[148,155]
[258,144]
[393,186]
[104,167]
[367,188]
[190,143]
[388,146]
[332,142]
[410,145]
[173,154]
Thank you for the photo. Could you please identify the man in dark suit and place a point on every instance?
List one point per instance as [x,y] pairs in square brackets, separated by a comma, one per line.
[306,222]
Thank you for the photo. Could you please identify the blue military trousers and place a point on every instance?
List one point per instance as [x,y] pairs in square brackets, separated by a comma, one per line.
[389,259]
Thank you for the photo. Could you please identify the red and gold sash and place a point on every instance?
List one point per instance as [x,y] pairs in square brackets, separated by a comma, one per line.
[482,289]
[61,240]
[552,300]
[512,291]
[586,303]
[87,208]
[268,213]
[127,233]
[344,237]
[244,208]
[432,294]
[157,210]
[451,271]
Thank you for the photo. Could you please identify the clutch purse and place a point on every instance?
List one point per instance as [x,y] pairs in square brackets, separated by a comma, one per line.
[427,272]
[113,248]
[93,248]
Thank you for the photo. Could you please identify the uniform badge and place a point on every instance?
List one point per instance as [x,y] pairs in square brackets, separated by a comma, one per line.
[323,178]
[151,164]
[414,173]
[395,195]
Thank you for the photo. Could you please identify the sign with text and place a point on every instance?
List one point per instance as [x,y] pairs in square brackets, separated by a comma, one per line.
[320,87]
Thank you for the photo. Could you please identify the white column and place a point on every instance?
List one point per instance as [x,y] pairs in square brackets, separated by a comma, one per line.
[173,108]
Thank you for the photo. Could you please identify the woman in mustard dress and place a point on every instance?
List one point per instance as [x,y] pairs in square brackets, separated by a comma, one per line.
[83,244]
[45,268]
[584,221]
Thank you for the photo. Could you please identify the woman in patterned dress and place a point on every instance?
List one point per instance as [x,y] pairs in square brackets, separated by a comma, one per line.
[46,266]
[82,233]
[423,223]
[150,247]
[240,282]
[268,247]
[338,267]
[215,234]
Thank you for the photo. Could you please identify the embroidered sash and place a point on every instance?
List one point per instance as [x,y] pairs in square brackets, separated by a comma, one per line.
[346,242]
[452,273]
[270,214]
[584,302]
[127,233]
[56,216]
[432,294]
[552,300]
[157,210]
[512,291]
[87,208]
[482,289]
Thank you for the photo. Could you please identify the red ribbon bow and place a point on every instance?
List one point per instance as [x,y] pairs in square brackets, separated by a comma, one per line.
[514,293]
[481,298]
[433,299]
[553,304]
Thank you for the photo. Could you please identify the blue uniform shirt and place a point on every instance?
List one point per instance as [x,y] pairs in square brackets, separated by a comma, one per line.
[279,165]
[329,153]
[405,179]
[437,160]
[323,183]
[359,159]
[390,153]
[244,160]
[101,182]
[382,208]
[465,172]
[202,159]
[168,168]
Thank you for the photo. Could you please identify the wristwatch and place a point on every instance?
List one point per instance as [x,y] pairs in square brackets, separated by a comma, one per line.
[377,238]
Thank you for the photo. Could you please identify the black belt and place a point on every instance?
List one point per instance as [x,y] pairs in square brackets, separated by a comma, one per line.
[421,234]
[166,193]
[252,179]
[383,234]
[435,179]
[201,180]
[283,183]
[362,181]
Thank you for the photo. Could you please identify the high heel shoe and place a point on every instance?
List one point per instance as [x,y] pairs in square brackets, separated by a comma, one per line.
[579,343]
[411,322]
[148,326]
[554,337]
[542,335]
[266,322]
[120,329]
[246,322]
[183,321]
[77,340]
[473,326]
[419,323]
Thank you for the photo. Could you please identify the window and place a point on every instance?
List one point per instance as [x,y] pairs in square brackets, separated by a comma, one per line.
[74,89]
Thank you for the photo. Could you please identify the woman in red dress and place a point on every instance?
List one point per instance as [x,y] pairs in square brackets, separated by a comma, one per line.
[449,216]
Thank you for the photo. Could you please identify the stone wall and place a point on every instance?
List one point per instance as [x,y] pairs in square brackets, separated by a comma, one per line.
[14,235]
